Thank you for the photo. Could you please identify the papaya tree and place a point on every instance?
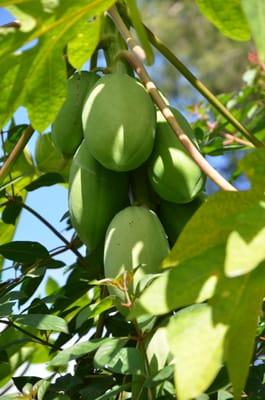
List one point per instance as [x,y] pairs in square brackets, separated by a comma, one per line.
[164,298]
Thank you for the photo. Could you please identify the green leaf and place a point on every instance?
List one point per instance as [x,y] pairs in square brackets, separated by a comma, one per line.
[21,381]
[43,322]
[128,360]
[76,351]
[196,342]
[51,286]
[225,213]
[84,43]
[94,310]
[230,20]
[11,212]
[42,386]
[237,304]
[190,282]
[23,252]
[254,167]
[6,309]
[107,351]
[43,66]
[114,391]
[245,248]
[49,179]
[255,13]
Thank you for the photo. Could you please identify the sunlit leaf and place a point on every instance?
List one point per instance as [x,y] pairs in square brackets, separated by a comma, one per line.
[229,19]
[196,342]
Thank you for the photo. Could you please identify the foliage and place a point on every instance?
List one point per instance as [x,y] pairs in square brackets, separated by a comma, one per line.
[193,329]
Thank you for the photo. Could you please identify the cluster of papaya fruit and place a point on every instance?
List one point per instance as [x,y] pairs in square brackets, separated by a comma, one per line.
[126,162]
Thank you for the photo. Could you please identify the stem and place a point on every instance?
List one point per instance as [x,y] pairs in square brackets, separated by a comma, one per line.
[45,222]
[29,334]
[138,51]
[15,153]
[195,82]
[152,89]
[234,139]
[150,391]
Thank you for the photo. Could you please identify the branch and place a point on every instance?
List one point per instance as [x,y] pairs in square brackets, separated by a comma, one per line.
[167,113]
[163,49]
[29,334]
[68,244]
[15,153]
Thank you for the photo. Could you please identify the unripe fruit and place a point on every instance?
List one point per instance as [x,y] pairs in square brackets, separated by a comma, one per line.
[175,216]
[67,130]
[119,122]
[49,158]
[172,172]
[135,239]
[95,196]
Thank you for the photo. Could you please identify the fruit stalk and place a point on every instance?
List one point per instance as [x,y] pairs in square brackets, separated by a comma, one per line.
[132,58]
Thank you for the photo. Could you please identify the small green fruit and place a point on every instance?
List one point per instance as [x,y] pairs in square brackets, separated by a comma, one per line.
[119,122]
[135,239]
[95,196]
[67,130]
[172,172]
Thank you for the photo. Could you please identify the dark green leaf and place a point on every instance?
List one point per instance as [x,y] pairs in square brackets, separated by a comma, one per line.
[49,179]
[11,212]
[23,251]
[6,309]
[21,381]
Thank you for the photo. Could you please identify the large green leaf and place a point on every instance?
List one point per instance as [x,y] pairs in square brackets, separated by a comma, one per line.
[84,43]
[191,282]
[196,342]
[245,248]
[228,17]
[237,304]
[43,65]
[255,13]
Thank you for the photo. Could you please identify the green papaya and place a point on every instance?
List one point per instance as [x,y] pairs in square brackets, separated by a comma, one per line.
[135,239]
[175,216]
[95,196]
[67,130]
[172,172]
[49,158]
[119,122]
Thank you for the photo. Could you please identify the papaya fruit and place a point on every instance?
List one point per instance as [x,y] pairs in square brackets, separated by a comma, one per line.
[119,122]
[48,158]
[135,239]
[172,172]
[67,130]
[95,196]
[175,216]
